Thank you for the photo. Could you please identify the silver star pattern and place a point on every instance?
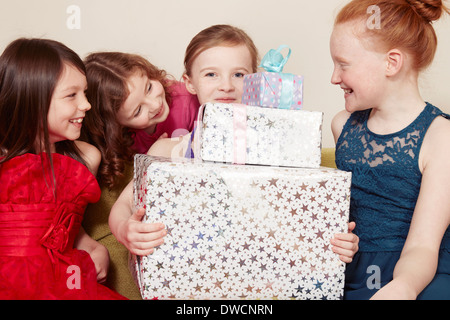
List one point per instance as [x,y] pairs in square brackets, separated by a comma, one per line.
[241,232]
[274,137]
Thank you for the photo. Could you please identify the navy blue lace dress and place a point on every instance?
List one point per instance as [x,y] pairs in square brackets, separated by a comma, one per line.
[385,186]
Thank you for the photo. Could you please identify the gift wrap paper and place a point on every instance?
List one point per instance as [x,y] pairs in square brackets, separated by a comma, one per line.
[241,232]
[273,90]
[240,134]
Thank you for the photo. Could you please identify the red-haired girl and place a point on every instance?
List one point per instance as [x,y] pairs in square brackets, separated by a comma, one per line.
[397,147]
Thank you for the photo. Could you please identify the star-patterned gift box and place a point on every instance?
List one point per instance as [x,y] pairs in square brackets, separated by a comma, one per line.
[241,134]
[241,232]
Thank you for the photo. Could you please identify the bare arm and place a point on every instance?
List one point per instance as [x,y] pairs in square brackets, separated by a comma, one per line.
[338,122]
[344,244]
[91,155]
[139,238]
[99,254]
[430,220]
[170,147]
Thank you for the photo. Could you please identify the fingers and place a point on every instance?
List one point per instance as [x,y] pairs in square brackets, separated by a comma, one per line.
[347,237]
[345,258]
[145,248]
[138,215]
[344,254]
[142,238]
[101,276]
[351,226]
[164,136]
[346,245]
[146,232]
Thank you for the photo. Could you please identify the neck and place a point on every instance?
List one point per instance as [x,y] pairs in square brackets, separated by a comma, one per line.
[401,106]
[151,129]
[40,147]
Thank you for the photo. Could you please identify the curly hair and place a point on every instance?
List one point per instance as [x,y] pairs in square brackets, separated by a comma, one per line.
[107,75]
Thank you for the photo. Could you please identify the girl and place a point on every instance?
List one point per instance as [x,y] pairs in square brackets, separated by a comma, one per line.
[47,177]
[133,104]
[216,61]
[397,147]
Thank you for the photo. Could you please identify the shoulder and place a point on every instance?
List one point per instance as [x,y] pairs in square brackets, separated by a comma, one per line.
[433,204]
[170,147]
[338,122]
[177,88]
[436,144]
[438,133]
[181,95]
[90,154]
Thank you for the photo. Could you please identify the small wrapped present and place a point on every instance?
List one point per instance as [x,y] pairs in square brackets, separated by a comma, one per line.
[241,232]
[273,88]
[240,134]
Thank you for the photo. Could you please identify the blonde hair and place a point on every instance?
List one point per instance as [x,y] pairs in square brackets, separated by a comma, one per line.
[404,24]
[218,35]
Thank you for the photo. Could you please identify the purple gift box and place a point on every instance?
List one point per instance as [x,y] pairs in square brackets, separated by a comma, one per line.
[274,90]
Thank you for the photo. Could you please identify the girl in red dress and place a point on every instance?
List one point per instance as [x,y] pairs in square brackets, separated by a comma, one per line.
[47,178]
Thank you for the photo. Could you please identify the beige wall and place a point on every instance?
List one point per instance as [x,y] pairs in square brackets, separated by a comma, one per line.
[161,30]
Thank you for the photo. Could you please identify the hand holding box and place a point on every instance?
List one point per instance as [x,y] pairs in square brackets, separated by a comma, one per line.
[241,232]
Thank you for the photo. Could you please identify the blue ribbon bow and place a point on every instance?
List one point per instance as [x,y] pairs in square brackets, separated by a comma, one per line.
[274,61]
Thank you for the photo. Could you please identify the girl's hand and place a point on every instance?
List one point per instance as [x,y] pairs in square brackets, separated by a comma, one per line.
[100,257]
[346,244]
[98,253]
[141,238]
[165,135]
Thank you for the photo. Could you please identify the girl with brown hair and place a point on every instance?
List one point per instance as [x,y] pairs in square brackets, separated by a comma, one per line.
[47,178]
[134,103]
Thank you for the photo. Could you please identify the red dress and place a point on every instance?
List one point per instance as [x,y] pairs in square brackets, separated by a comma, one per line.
[37,232]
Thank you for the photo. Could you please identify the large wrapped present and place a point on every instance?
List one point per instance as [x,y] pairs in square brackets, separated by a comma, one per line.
[241,232]
[240,134]
[273,88]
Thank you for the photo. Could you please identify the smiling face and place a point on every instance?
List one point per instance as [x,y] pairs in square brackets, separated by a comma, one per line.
[217,74]
[68,106]
[145,106]
[359,71]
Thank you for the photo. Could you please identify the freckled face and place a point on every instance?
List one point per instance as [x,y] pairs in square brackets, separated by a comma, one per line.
[360,72]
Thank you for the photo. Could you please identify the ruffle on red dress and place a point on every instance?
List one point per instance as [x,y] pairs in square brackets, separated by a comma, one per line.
[38,227]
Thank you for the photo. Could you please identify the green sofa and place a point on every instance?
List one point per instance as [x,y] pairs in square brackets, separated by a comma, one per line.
[96,225]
